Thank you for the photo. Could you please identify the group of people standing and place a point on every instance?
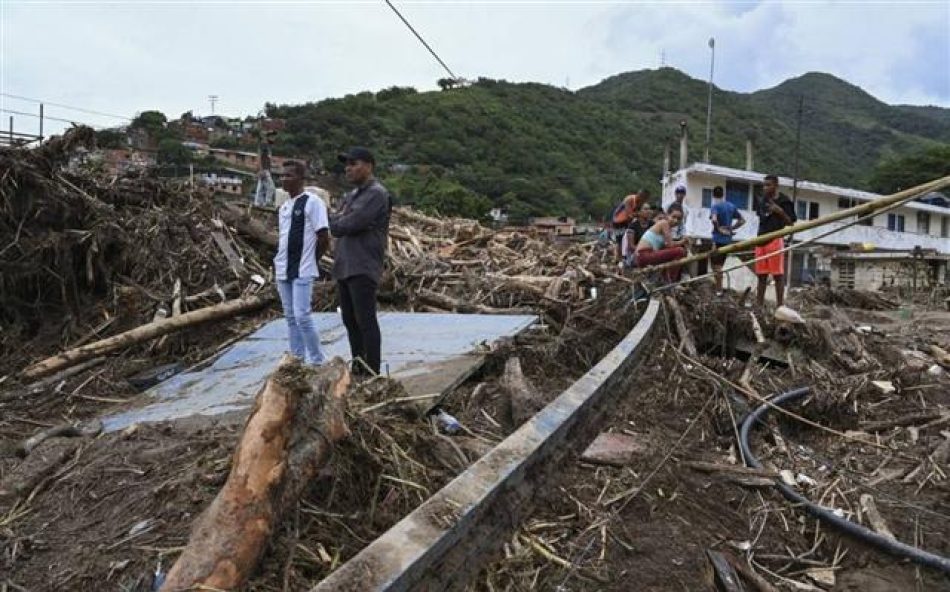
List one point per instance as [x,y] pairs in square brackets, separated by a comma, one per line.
[360,229]
[645,237]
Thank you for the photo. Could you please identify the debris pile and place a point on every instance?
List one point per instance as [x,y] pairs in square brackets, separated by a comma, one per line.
[848,297]
[444,264]
[663,498]
[99,256]
[85,255]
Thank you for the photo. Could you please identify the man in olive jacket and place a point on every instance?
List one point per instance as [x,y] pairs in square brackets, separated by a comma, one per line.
[361,228]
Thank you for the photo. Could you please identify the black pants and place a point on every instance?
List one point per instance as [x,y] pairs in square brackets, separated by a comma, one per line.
[358,307]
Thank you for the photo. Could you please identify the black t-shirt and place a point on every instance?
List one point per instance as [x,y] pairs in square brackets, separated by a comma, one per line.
[769,222]
[639,229]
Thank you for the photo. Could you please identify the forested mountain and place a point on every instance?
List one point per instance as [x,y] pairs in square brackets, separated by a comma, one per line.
[544,150]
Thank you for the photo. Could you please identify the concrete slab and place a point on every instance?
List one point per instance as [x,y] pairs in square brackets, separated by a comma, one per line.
[429,353]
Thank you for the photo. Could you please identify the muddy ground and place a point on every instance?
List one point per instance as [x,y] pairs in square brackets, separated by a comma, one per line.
[649,524]
[120,506]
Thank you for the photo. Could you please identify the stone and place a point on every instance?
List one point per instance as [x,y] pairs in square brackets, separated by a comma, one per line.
[885,386]
[614,449]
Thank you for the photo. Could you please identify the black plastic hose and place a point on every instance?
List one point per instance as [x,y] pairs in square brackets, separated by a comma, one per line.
[824,514]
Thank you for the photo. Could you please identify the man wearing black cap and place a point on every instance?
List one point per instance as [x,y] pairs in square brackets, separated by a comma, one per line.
[361,228]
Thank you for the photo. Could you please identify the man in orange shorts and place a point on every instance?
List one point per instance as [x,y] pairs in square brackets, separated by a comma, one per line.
[775,211]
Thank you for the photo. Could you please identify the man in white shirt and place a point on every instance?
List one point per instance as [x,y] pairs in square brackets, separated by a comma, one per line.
[303,238]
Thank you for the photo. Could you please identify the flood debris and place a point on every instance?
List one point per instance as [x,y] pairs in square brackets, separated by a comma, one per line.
[120,266]
[694,493]
[95,258]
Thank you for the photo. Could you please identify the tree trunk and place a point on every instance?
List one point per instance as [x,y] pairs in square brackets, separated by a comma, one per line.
[249,226]
[523,398]
[144,333]
[297,417]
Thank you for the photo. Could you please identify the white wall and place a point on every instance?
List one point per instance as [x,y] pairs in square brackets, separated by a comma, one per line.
[699,226]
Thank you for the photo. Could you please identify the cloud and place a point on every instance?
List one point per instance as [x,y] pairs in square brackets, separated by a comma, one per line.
[131,56]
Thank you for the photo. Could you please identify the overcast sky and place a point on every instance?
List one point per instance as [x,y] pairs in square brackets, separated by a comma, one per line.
[122,57]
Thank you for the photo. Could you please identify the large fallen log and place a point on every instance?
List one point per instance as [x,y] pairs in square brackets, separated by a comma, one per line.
[145,333]
[248,225]
[297,417]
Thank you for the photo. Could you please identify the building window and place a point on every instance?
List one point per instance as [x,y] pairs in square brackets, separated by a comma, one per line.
[806,210]
[707,197]
[846,202]
[945,227]
[738,194]
[895,222]
[923,223]
[846,274]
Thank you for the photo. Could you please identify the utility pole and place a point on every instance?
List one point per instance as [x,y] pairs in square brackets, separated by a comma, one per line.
[11,130]
[41,123]
[798,143]
[213,99]
[712,61]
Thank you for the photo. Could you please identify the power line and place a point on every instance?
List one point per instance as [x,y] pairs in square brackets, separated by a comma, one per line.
[62,106]
[422,41]
[46,117]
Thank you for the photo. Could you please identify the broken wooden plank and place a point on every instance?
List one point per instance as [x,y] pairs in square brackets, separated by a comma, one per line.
[224,245]
[709,467]
[686,338]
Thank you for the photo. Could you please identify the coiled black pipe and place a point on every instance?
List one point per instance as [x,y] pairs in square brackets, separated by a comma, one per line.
[825,515]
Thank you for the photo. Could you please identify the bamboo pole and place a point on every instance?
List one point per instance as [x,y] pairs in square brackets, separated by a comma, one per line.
[865,208]
[786,249]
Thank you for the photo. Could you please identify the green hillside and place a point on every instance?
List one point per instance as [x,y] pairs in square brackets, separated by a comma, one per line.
[545,150]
